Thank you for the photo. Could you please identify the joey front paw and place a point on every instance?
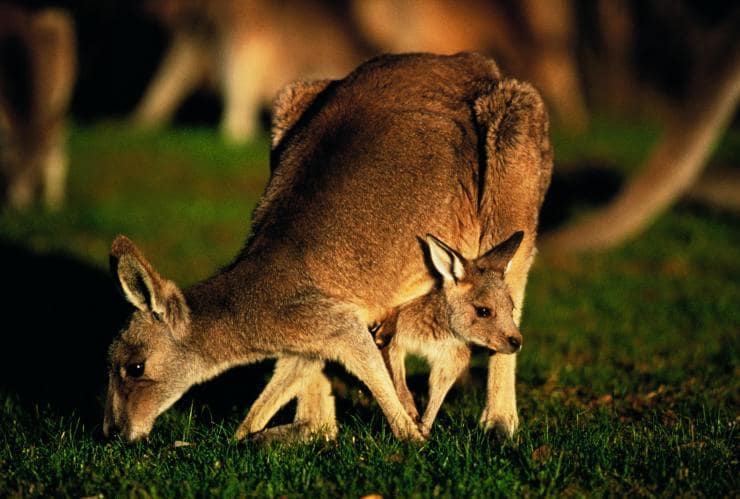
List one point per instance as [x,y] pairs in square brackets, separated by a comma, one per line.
[412,412]
[241,432]
[425,430]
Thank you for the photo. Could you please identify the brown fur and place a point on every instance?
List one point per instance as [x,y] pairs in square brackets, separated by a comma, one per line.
[394,151]
[37,74]
[291,102]
[521,107]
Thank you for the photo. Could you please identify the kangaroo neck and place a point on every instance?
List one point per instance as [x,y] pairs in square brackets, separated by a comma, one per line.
[228,318]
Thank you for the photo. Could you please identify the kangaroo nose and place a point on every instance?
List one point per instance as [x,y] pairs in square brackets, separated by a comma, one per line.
[515,342]
[113,432]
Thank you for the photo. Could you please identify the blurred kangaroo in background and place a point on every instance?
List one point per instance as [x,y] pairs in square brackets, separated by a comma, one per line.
[473,306]
[530,39]
[404,146]
[38,67]
[249,49]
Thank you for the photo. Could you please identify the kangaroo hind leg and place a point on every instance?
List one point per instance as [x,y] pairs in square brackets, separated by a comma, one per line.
[294,376]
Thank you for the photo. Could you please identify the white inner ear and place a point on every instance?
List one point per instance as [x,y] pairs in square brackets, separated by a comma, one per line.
[137,297]
[157,306]
[457,267]
[508,266]
[446,262]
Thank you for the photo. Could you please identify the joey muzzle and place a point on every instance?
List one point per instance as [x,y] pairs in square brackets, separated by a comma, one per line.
[514,344]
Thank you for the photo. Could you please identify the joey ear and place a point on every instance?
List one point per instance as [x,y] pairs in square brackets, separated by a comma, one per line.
[446,261]
[144,288]
[499,257]
[290,104]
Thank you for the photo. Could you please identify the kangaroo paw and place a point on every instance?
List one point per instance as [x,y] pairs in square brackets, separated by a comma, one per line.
[298,432]
[504,424]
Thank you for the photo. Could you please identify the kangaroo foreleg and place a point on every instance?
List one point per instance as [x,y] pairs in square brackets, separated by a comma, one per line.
[357,351]
[315,415]
[316,407]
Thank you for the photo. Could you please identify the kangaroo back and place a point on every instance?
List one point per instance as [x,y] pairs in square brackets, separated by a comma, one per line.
[390,155]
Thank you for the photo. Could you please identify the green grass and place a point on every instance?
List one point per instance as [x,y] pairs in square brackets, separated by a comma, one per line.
[628,382]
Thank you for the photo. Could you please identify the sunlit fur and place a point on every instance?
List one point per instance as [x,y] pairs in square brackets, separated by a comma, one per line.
[170,368]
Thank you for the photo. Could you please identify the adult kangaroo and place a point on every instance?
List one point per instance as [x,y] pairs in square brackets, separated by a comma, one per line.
[513,155]
[406,145]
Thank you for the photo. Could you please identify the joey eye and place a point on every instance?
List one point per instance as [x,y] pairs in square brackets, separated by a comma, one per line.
[483,311]
[135,370]
[156,316]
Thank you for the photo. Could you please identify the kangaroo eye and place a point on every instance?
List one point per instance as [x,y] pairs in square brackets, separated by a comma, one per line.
[135,370]
[483,311]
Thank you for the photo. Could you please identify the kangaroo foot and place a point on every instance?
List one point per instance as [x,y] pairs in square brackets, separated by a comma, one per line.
[298,432]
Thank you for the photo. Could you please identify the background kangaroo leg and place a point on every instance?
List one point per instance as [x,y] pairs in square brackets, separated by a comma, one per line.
[244,70]
[180,72]
[54,171]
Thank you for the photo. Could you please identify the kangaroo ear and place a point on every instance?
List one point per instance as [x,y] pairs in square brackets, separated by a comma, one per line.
[499,257]
[449,264]
[144,288]
[290,104]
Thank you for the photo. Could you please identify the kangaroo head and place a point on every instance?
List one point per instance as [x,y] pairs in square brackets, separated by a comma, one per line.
[479,307]
[150,363]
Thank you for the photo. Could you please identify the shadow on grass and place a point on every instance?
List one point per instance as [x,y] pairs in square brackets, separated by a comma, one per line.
[60,314]
[574,187]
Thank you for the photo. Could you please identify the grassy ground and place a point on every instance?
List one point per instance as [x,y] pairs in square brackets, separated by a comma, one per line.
[628,382]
